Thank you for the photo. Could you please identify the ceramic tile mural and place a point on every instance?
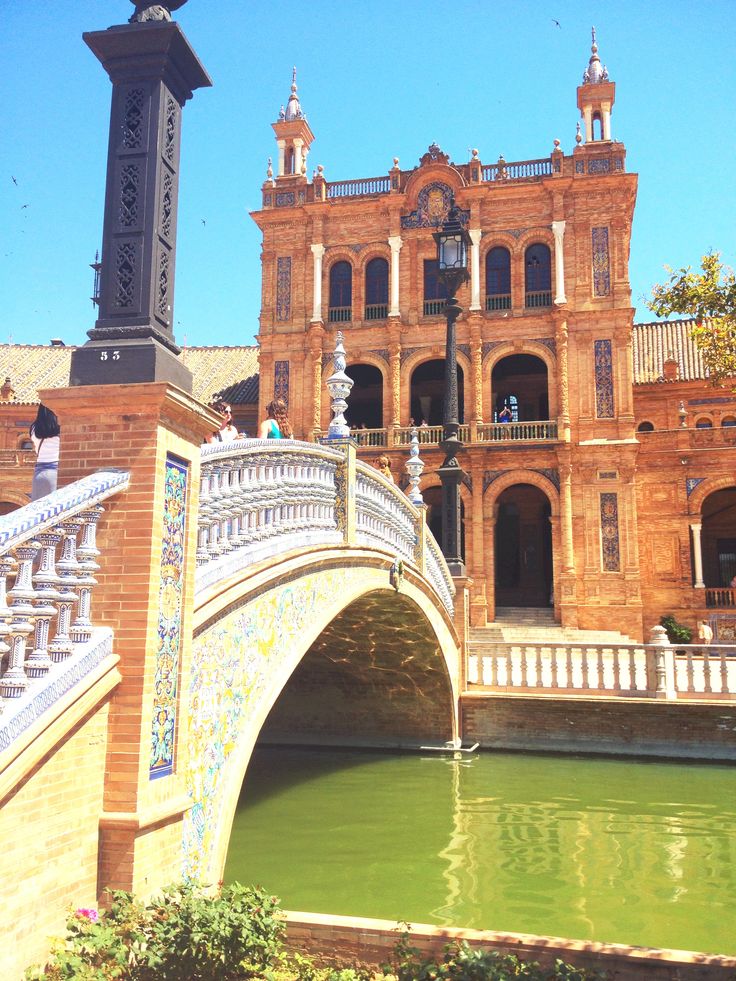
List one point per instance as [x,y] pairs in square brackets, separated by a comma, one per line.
[281,381]
[283,288]
[604,408]
[234,673]
[609,533]
[433,205]
[171,581]
[601,262]
[724,628]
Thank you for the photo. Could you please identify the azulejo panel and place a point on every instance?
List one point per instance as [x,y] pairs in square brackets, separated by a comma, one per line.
[611,556]
[604,405]
[171,583]
[601,262]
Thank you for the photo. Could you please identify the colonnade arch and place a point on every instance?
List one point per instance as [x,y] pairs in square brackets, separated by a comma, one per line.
[423,388]
[712,508]
[522,545]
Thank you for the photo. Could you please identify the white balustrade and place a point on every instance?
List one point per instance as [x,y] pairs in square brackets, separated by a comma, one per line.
[261,498]
[613,669]
[43,650]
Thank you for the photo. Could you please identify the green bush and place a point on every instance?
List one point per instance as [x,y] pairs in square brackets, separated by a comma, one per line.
[182,935]
[464,963]
[678,633]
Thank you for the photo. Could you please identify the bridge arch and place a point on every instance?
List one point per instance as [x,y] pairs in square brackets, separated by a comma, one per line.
[255,630]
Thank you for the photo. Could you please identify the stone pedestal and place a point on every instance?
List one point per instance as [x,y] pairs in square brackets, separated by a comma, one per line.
[154,71]
[148,541]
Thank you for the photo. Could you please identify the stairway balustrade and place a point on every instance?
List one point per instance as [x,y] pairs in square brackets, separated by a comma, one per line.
[637,670]
[38,662]
[261,498]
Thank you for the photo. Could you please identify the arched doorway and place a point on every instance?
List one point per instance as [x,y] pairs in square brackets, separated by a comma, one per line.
[718,537]
[428,392]
[523,548]
[365,405]
[520,382]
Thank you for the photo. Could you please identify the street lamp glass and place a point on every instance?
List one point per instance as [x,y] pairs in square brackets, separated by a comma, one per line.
[452,254]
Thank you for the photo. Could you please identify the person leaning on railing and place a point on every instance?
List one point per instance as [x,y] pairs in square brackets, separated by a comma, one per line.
[276,425]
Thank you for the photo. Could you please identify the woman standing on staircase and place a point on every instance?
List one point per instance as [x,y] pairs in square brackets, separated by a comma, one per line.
[45,433]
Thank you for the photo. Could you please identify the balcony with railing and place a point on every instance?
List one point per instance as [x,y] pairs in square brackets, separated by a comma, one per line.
[376,311]
[537,299]
[541,431]
[434,308]
[499,301]
[362,187]
[720,598]
[340,315]
[522,170]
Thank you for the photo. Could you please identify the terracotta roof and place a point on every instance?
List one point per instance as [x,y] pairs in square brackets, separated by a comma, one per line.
[34,366]
[228,371]
[655,343]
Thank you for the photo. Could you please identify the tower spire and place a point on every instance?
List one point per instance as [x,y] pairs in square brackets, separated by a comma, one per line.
[293,137]
[596,96]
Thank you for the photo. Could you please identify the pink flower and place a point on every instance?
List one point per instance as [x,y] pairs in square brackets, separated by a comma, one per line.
[88,914]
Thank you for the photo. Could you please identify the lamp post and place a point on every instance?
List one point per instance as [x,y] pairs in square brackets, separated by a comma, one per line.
[452,263]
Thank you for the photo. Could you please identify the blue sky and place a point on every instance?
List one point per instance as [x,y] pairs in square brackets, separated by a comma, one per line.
[377,79]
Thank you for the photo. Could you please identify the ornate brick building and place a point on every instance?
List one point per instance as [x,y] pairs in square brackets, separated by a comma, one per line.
[605,496]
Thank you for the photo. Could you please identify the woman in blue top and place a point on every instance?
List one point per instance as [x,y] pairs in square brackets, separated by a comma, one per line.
[276,425]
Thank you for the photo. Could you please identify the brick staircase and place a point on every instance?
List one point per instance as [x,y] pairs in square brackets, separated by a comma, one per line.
[535,625]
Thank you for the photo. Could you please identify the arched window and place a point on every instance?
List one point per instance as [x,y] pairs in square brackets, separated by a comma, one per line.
[341,292]
[376,289]
[703,423]
[510,402]
[645,427]
[26,443]
[498,279]
[435,291]
[728,421]
[538,275]
[597,126]
[289,161]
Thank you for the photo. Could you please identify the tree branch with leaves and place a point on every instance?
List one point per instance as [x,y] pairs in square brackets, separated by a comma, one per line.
[709,297]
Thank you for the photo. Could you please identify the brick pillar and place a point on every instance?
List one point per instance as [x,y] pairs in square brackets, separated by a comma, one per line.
[153,430]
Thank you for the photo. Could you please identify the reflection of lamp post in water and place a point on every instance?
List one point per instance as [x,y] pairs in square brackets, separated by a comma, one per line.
[452,264]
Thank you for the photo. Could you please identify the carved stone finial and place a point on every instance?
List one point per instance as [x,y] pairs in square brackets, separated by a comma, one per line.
[269,171]
[339,385]
[414,467]
[578,135]
[147,10]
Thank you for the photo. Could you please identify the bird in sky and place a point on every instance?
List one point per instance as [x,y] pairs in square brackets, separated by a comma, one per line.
[14,180]
[557,23]
[203,221]
[23,206]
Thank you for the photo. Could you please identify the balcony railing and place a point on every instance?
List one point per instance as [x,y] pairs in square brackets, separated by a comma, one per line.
[359,188]
[495,432]
[340,315]
[376,311]
[369,437]
[720,598]
[535,432]
[538,298]
[433,308]
[498,301]
[523,170]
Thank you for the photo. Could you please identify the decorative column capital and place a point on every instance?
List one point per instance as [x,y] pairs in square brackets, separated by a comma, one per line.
[475,235]
[318,250]
[395,242]
[558,230]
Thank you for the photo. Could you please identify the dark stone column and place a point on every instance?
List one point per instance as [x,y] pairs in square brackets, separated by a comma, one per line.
[154,71]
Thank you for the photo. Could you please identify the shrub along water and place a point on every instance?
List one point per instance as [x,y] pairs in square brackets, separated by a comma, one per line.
[186,934]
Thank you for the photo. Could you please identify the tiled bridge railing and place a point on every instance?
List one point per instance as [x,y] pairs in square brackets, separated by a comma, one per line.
[260,498]
[648,670]
[47,565]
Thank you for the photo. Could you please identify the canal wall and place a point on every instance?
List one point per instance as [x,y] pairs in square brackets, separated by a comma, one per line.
[704,730]
[347,939]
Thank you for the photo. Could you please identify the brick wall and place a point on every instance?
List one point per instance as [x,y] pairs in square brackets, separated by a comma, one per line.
[49,829]
[700,730]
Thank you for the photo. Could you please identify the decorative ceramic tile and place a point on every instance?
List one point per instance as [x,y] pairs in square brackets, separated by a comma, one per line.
[691,483]
[490,475]
[609,533]
[552,475]
[281,381]
[237,669]
[171,582]
[599,166]
[604,406]
[285,199]
[433,206]
[601,262]
[724,628]
[283,287]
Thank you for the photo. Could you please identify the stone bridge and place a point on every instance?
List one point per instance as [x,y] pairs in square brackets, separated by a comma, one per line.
[162,614]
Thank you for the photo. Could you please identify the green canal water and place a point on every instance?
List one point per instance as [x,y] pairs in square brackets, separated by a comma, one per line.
[612,850]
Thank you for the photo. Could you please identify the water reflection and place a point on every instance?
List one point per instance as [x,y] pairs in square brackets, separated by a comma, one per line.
[629,852]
